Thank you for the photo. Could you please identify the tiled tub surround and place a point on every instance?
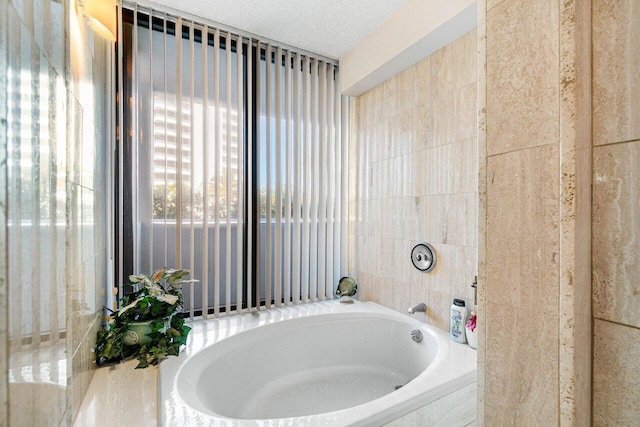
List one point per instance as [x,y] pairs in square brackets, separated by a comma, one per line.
[413,177]
[58,156]
[616,212]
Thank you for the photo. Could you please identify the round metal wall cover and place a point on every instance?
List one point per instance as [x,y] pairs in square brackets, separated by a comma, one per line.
[423,257]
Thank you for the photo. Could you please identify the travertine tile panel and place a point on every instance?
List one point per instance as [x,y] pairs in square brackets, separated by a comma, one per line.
[522,229]
[521,358]
[419,173]
[406,94]
[443,63]
[389,96]
[465,113]
[616,384]
[616,232]
[438,309]
[423,127]
[401,133]
[439,279]
[466,52]
[443,119]
[465,166]
[522,75]
[616,71]
[401,296]
[423,81]
[521,373]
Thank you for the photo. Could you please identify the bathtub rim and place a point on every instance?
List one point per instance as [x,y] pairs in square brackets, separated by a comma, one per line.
[395,404]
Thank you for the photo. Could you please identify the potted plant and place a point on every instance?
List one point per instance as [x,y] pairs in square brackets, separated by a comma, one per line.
[147,326]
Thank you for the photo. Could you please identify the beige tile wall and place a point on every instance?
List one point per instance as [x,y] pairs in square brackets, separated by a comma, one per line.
[616,212]
[535,176]
[413,169]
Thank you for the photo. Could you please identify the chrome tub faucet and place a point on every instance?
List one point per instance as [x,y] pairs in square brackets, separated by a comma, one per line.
[418,308]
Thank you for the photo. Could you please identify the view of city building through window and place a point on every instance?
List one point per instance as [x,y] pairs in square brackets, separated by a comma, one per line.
[167,157]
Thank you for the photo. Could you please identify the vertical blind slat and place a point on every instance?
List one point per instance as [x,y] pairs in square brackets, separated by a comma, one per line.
[322,194]
[166,151]
[331,182]
[268,202]
[313,257]
[152,146]
[120,138]
[306,231]
[337,184]
[240,174]
[344,161]
[254,238]
[192,230]
[135,131]
[217,143]
[287,181]
[35,212]
[278,154]
[296,258]
[179,145]
[228,168]
[249,173]
[205,174]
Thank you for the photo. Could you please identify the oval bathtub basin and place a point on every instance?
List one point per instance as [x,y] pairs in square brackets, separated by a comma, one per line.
[333,365]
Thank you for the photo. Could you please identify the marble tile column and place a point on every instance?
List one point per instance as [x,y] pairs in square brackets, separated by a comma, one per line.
[534,224]
[616,212]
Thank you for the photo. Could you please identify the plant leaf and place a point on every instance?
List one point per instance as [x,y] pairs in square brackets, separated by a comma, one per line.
[135,278]
[158,274]
[124,309]
[169,299]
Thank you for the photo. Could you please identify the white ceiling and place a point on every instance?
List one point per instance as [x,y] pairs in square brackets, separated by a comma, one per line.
[325,27]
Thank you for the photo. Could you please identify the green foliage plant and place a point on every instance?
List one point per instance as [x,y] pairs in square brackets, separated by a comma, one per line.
[158,299]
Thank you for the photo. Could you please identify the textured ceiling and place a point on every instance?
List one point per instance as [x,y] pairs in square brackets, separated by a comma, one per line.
[325,27]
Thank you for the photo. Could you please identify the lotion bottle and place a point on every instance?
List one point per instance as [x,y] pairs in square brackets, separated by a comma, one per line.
[458,321]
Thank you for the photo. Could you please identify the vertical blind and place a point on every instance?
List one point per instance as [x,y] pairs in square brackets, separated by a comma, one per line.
[237,166]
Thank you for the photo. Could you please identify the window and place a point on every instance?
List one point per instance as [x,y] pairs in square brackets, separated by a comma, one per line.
[232,165]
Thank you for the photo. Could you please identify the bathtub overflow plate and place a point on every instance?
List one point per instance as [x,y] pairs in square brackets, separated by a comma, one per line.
[423,257]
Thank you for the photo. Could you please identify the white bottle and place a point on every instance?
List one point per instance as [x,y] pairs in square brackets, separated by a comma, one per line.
[458,321]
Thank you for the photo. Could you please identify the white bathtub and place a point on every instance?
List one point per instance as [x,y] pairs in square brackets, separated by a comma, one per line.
[319,364]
